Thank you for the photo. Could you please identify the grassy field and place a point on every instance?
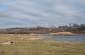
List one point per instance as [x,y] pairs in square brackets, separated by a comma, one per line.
[24,46]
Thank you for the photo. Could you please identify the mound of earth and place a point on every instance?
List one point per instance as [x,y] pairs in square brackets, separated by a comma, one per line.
[62,33]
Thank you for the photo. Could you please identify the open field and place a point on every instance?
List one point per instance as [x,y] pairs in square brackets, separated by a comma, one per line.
[24,45]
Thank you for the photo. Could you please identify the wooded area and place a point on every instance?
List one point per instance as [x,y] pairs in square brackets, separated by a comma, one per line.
[74,28]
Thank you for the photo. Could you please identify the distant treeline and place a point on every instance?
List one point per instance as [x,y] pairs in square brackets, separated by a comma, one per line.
[75,28]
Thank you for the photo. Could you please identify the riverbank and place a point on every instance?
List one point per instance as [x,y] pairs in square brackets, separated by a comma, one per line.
[23,46]
[51,33]
[67,34]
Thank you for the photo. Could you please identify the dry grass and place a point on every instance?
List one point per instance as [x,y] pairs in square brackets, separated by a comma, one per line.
[62,33]
[39,47]
[13,37]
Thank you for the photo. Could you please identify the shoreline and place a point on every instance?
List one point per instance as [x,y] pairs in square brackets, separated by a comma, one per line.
[48,34]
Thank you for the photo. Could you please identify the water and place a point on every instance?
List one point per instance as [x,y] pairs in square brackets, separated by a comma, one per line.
[66,38]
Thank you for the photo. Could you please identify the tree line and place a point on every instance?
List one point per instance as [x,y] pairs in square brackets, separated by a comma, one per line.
[75,28]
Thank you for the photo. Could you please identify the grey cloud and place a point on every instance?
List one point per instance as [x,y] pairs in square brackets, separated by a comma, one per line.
[47,12]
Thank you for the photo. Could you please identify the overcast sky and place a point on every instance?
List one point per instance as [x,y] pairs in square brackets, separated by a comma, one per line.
[14,13]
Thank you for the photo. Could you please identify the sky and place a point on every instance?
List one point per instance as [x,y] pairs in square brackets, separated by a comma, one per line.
[27,13]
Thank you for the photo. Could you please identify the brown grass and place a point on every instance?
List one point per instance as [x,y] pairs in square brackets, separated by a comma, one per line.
[39,47]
